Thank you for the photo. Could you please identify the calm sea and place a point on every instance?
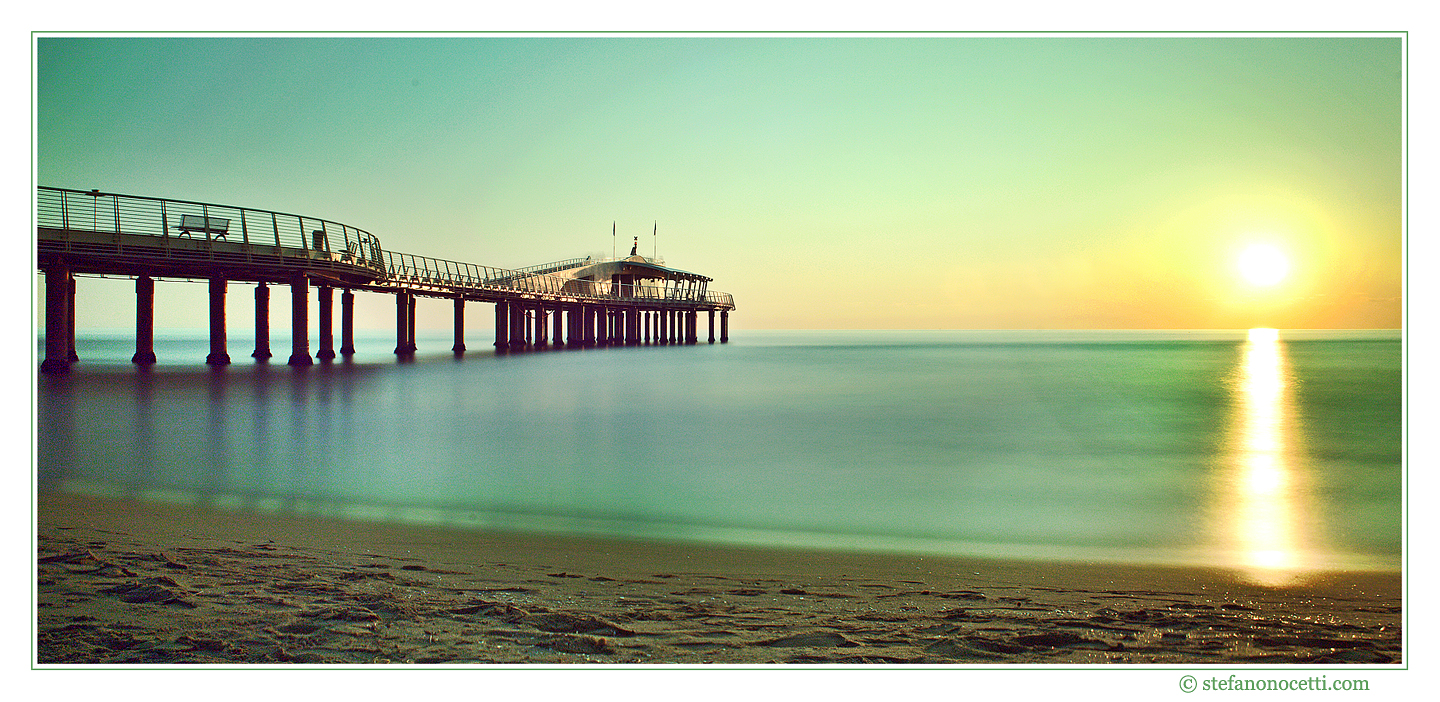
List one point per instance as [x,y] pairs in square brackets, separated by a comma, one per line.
[1274,457]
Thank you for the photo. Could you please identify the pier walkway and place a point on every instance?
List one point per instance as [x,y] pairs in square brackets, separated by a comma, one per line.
[580,302]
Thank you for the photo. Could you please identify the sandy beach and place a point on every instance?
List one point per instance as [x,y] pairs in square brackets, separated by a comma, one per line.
[129,583]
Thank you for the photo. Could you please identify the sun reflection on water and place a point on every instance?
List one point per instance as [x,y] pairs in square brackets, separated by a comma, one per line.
[1263,505]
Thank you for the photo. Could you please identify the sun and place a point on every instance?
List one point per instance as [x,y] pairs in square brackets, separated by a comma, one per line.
[1263,265]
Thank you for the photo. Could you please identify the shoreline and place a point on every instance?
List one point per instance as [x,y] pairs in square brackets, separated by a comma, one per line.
[129,583]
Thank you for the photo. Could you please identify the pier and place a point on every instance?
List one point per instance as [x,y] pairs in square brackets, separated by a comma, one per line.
[573,303]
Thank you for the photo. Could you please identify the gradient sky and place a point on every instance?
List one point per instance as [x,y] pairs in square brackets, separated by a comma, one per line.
[826,182]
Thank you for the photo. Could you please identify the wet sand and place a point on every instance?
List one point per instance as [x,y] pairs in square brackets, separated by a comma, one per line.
[127,583]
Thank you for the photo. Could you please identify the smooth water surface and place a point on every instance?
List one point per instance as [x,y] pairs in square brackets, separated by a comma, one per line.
[1272,456]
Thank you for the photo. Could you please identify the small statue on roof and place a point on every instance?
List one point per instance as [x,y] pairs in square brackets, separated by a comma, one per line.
[635,246]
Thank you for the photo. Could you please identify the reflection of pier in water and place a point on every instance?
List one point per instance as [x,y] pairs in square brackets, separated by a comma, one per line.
[1265,510]
[575,303]
[262,439]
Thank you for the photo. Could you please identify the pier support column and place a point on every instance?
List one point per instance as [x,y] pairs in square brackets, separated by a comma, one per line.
[144,321]
[410,332]
[70,322]
[218,355]
[262,322]
[517,326]
[402,323]
[502,326]
[347,322]
[692,327]
[459,346]
[557,324]
[724,326]
[712,326]
[57,320]
[327,314]
[542,338]
[300,321]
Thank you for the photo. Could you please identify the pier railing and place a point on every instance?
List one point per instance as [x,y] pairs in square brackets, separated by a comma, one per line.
[98,222]
[412,271]
[556,266]
[275,233]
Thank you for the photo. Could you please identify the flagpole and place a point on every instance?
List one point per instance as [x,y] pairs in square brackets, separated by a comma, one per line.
[655,240]
[612,240]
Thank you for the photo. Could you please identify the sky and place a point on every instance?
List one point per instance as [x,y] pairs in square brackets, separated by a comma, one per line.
[847,182]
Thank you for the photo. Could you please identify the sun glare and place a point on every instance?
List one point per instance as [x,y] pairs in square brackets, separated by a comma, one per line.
[1260,334]
[1263,264]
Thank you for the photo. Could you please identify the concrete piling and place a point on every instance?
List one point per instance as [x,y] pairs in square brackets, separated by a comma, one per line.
[459,346]
[144,321]
[300,321]
[502,326]
[327,337]
[218,354]
[57,320]
[402,324]
[347,322]
[262,322]
[410,329]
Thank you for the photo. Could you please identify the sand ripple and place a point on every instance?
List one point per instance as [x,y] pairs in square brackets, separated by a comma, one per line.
[107,598]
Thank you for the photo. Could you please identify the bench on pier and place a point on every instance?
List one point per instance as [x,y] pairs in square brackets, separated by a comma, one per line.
[189,224]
